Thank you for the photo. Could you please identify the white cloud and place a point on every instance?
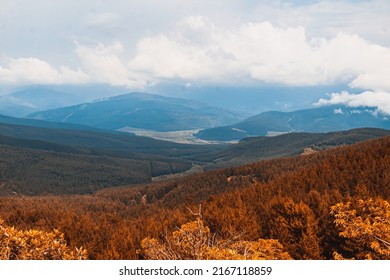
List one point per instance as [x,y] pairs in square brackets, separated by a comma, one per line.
[104,64]
[162,57]
[375,78]
[262,52]
[379,100]
[200,50]
[338,111]
[324,18]
[36,71]
[222,41]
[99,64]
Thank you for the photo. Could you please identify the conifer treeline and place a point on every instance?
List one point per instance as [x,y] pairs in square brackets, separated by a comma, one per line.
[288,200]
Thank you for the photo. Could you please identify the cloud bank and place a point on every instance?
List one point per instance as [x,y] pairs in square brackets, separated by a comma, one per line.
[262,52]
[379,100]
[225,42]
[35,71]
[104,64]
[199,50]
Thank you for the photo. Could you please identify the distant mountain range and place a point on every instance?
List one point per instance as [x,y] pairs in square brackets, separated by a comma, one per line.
[154,115]
[141,111]
[322,119]
[32,99]
[44,124]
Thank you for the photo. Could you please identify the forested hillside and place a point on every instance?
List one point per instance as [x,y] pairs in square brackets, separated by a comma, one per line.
[141,110]
[33,172]
[46,160]
[286,145]
[51,160]
[46,168]
[302,206]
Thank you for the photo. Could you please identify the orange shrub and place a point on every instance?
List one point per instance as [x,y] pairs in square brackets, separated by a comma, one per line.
[35,245]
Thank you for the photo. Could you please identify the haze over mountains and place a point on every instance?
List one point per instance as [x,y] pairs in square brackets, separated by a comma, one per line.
[142,111]
[178,119]
[322,119]
[31,99]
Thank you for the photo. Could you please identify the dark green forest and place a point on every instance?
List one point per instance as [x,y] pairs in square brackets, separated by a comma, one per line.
[42,160]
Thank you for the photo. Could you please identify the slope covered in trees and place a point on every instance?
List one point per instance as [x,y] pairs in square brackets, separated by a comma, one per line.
[304,203]
[286,145]
[59,169]
[36,160]
[141,110]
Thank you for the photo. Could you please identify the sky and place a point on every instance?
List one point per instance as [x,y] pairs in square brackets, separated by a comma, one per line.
[141,44]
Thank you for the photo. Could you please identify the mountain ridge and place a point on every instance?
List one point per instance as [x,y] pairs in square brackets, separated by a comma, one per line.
[141,110]
[321,119]
[254,149]
[35,98]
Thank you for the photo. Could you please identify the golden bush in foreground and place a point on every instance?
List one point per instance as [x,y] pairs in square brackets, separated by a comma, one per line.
[193,241]
[366,226]
[35,245]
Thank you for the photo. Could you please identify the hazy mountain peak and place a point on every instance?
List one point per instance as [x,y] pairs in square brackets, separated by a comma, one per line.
[142,110]
[35,98]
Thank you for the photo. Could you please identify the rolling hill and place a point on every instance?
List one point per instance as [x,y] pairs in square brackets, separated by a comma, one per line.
[260,148]
[141,111]
[322,119]
[35,167]
[35,171]
[44,124]
[111,142]
[36,98]
[37,160]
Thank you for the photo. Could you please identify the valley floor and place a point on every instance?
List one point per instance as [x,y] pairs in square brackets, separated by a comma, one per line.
[182,136]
